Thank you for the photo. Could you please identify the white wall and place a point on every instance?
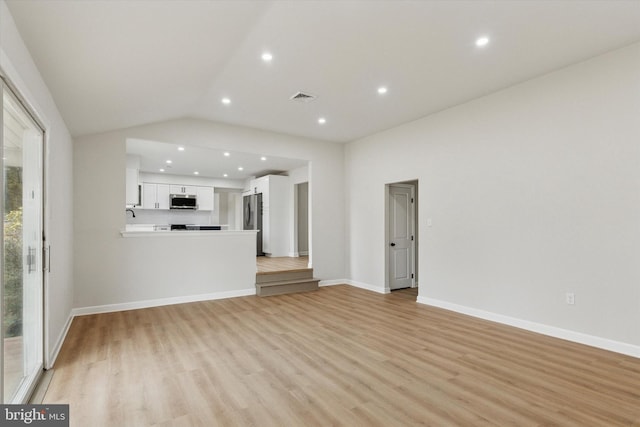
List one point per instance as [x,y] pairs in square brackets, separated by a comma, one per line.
[229,207]
[302,215]
[17,63]
[100,184]
[534,191]
[296,177]
[299,175]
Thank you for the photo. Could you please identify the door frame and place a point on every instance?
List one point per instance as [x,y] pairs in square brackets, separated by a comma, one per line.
[31,111]
[413,185]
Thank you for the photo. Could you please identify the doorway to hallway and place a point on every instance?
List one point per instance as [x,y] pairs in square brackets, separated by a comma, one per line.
[402,236]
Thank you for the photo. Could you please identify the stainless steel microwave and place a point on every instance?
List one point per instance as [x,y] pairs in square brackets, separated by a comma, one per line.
[183,201]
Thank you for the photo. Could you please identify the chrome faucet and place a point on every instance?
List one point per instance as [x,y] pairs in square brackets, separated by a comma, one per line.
[132,212]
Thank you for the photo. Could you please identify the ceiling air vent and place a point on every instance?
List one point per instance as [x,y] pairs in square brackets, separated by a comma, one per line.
[302,97]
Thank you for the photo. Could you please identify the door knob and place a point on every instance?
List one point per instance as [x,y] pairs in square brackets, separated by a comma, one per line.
[393,244]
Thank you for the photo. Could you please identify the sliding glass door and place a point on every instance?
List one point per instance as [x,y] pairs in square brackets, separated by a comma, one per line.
[21,260]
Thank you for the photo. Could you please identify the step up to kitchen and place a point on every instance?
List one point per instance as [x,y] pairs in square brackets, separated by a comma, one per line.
[285,282]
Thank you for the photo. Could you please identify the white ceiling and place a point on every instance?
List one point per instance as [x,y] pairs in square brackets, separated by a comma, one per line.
[114,64]
[207,162]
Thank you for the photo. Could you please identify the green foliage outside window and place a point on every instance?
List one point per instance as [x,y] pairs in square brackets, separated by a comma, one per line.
[12,304]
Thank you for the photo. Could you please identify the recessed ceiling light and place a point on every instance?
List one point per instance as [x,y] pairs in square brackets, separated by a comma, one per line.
[227,154]
[196,173]
[382,90]
[263,158]
[161,170]
[226,101]
[225,175]
[169,162]
[240,168]
[482,41]
[180,148]
[267,57]
[322,120]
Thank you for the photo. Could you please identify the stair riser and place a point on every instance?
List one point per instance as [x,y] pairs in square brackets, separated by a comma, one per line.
[307,286]
[285,275]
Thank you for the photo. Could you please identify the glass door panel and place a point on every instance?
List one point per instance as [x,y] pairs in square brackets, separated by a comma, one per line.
[22,276]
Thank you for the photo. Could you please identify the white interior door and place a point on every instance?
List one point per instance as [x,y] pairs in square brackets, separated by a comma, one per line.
[401,236]
[22,273]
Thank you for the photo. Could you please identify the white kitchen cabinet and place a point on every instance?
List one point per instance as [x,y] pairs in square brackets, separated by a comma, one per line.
[155,196]
[183,189]
[205,198]
[132,197]
[276,221]
[259,185]
[249,189]
[149,196]
[163,196]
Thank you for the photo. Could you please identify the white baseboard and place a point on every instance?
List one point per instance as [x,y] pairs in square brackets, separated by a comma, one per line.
[303,253]
[368,287]
[578,337]
[51,360]
[82,311]
[279,255]
[333,282]
[354,283]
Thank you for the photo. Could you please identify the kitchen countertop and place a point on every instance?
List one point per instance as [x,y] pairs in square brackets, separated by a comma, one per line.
[148,230]
[160,227]
[183,233]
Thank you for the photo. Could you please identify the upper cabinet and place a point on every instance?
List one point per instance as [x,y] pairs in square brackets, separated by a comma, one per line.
[204,198]
[155,196]
[183,189]
[259,186]
[132,190]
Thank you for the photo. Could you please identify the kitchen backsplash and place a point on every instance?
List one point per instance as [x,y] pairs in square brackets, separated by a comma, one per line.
[149,216]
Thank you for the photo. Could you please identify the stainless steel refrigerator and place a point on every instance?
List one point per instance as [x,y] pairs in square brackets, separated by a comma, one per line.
[252,218]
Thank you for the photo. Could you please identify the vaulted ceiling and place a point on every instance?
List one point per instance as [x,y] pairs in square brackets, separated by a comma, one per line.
[115,64]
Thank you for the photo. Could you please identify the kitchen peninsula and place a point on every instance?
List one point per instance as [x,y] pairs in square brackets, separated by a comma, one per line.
[184,266]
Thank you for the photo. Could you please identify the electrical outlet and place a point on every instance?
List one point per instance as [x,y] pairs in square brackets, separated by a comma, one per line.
[429,222]
[571,298]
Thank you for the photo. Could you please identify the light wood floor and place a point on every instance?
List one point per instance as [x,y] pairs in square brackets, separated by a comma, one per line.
[340,356]
[272,264]
[13,364]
